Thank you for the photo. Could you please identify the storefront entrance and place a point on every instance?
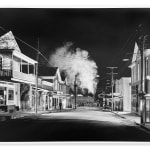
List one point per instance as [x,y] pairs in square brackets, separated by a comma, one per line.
[2,96]
[147,110]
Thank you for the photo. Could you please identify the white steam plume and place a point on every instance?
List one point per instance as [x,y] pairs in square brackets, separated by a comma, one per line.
[73,63]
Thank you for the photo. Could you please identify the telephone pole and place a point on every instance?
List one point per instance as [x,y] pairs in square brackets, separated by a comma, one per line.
[141,42]
[36,100]
[75,89]
[112,84]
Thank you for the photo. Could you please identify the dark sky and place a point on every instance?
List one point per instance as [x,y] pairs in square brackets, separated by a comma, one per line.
[108,34]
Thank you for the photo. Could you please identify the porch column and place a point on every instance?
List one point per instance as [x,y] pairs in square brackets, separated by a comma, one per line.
[30,96]
[28,67]
[34,69]
[21,66]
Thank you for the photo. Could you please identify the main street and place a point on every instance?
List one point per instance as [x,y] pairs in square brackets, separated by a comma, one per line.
[82,124]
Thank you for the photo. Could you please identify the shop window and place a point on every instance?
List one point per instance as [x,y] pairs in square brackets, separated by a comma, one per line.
[53,102]
[10,94]
[2,100]
[49,102]
[147,66]
[138,72]
[57,102]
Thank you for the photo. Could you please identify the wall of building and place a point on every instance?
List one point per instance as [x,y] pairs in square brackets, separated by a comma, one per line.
[124,90]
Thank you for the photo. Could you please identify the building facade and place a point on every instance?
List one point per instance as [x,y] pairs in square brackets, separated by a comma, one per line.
[15,69]
[137,104]
[20,86]
[60,88]
[123,100]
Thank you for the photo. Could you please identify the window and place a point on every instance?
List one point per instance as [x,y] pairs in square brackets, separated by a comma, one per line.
[138,72]
[146,65]
[1,59]
[133,75]
[10,94]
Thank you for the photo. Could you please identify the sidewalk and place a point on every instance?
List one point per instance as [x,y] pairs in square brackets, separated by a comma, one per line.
[132,117]
[19,114]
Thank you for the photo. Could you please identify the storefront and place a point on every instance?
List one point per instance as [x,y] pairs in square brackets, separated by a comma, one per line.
[9,95]
[135,100]
[118,103]
[147,108]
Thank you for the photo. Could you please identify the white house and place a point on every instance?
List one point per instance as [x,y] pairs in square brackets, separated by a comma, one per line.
[15,69]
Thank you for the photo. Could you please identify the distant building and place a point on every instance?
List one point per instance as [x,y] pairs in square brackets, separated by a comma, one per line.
[60,89]
[83,100]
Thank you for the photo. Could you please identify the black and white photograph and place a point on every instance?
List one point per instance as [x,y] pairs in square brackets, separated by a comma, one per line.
[74,74]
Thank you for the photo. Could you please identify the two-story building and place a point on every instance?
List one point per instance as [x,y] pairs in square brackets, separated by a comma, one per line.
[15,69]
[19,87]
[18,84]
[67,102]
[60,89]
[136,79]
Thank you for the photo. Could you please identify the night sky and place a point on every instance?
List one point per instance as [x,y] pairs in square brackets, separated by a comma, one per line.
[107,34]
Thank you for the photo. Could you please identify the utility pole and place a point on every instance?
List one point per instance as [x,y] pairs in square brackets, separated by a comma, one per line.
[141,40]
[75,90]
[112,84]
[36,100]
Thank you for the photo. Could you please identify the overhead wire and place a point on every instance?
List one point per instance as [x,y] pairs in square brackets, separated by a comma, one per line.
[122,49]
[126,47]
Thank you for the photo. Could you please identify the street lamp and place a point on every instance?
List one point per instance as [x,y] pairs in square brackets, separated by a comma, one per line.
[125,59]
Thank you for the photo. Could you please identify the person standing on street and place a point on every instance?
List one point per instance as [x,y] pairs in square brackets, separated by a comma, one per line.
[60,105]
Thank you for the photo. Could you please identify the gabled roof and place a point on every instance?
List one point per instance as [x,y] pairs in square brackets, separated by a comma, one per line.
[47,71]
[7,41]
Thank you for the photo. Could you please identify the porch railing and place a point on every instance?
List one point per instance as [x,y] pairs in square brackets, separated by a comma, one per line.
[24,77]
[5,73]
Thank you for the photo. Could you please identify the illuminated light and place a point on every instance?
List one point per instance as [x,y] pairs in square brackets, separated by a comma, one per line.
[125,60]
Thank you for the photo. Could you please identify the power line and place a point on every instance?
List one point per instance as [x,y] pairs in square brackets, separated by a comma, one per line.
[125,45]
[112,83]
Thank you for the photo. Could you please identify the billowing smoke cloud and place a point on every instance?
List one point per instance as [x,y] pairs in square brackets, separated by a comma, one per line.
[76,62]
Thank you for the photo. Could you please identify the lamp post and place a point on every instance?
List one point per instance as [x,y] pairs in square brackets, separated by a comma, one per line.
[142,99]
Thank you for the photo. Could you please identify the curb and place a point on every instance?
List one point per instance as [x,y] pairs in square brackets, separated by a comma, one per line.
[142,126]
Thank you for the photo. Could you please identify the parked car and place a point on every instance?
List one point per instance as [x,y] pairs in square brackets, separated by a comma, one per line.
[106,108]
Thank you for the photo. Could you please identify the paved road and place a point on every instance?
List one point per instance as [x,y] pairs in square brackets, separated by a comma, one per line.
[83,124]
